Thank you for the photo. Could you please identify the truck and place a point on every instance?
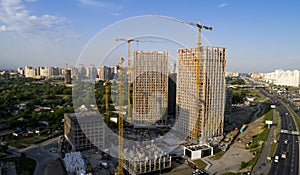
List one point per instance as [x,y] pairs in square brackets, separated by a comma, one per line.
[283,155]
[243,128]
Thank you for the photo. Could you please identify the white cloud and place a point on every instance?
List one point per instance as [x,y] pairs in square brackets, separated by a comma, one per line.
[93,3]
[96,3]
[17,18]
[3,28]
[222,5]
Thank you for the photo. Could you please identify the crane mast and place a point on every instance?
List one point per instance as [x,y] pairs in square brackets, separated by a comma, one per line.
[120,118]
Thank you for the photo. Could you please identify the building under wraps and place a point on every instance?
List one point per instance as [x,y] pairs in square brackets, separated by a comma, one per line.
[150,87]
[200,102]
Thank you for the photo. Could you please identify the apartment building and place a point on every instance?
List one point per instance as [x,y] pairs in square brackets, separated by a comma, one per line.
[200,94]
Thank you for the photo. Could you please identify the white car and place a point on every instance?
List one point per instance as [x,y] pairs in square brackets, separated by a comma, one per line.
[276,159]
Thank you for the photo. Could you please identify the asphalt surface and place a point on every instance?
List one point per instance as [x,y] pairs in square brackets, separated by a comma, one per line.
[40,153]
[288,166]
[261,167]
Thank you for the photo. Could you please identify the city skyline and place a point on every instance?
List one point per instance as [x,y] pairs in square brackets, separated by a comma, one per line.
[259,36]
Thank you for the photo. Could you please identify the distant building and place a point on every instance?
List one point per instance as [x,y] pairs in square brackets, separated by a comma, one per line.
[283,78]
[37,72]
[21,71]
[81,72]
[232,74]
[255,75]
[105,72]
[44,72]
[201,114]
[29,72]
[92,72]
[150,87]
[53,71]
[67,75]
[84,131]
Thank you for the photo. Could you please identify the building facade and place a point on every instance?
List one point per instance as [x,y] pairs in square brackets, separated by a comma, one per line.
[67,76]
[84,131]
[150,87]
[105,72]
[283,78]
[200,90]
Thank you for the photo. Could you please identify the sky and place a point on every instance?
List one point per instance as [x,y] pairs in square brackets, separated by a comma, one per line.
[260,36]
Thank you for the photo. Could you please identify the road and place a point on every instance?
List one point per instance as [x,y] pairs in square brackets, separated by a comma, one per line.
[40,153]
[258,169]
[290,164]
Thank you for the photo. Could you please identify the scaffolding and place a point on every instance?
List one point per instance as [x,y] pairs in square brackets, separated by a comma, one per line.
[146,158]
[150,87]
[201,92]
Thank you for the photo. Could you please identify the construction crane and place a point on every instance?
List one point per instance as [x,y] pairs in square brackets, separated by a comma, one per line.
[129,68]
[200,27]
[106,95]
[120,117]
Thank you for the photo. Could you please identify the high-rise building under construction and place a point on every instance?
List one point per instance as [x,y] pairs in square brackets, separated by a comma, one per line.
[201,92]
[150,87]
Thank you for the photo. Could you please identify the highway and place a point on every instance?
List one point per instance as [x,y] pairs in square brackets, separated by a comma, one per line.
[289,165]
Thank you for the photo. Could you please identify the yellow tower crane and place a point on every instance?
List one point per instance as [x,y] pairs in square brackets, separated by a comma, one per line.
[200,27]
[106,95]
[121,81]
[129,68]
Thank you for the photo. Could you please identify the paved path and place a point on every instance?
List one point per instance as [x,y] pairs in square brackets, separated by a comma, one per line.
[258,169]
[230,161]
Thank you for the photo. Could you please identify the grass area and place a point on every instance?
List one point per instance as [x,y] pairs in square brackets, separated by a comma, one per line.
[266,108]
[200,163]
[24,165]
[268,115]
[249,163]
[231,173]
[264,135]
[277,131]
[26,141]
[33,140]
[16,144]
[255,146]
[218,155]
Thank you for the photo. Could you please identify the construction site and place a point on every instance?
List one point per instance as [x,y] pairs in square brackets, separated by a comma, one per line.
[144,157]
[142,101]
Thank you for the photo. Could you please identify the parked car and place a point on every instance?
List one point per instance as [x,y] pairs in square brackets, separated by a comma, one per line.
[103,164]
[276,159]
[53,150]
[283,155]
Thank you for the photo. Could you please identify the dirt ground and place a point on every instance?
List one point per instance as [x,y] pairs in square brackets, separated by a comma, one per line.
[254,128]
[231,160]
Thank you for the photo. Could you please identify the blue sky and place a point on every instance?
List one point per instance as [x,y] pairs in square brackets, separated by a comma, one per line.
[259,35]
